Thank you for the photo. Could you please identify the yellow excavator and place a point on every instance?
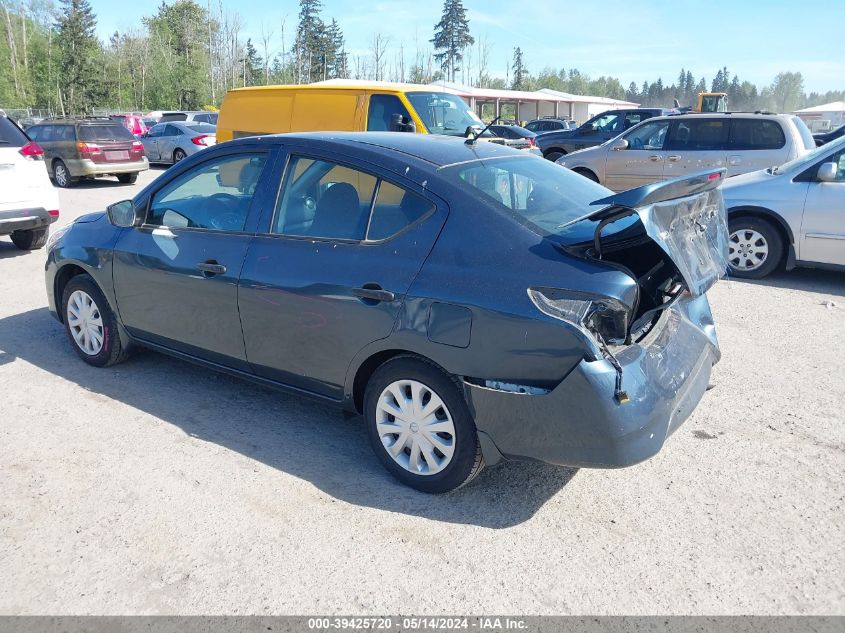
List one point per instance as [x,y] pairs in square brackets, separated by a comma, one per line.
[707,102]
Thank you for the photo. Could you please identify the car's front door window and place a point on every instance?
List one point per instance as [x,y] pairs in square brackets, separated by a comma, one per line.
[215,195]
[608,123]
[649,136]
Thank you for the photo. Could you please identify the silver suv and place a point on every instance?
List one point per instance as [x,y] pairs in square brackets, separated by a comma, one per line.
[678,145]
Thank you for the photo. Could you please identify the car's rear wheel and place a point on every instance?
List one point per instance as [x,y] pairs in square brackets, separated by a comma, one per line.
[178,155]
[553,156]
[755,247]
[420,426]
[30,240]
[61,175]
[128,179]
[587,174]
[90,324]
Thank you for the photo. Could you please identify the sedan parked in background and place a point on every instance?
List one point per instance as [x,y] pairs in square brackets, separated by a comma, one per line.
[550,124]
[200,116]
[472,301]
[666,147]
[827,137]
[515,136]
[793,214]
[171,142]
[28,202]
[596,131]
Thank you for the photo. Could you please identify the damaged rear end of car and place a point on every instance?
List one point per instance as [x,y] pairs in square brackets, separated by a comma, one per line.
[647,351]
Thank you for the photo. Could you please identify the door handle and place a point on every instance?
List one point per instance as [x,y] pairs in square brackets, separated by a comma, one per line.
[674,158]
[211,268]
[373,292]
[654,158]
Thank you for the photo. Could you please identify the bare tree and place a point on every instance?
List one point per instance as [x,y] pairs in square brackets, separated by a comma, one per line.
[378,47]
[266,36]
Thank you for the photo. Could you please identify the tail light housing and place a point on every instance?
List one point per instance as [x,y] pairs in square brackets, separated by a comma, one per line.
[137,146]
[32,151]
[531,142]
[53,213]
[88,150]
[200,140]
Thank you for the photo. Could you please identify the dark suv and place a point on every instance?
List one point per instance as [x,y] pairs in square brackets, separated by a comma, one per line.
[596,131]
[87,148]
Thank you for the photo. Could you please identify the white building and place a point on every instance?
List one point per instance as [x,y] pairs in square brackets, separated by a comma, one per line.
[822,118]
[490,102]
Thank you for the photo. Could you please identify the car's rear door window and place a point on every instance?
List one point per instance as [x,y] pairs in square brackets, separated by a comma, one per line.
[394,210]
[214,195]
[698,135]
[756,134]
[10,134]
[324,199]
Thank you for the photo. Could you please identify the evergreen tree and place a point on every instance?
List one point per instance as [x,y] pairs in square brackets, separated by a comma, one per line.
[451,37]
[79,48]
[519,72]
[252,65]
[336,57]
[309,45]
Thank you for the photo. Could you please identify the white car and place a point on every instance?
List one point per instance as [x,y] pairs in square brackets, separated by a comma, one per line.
[28,202]
[792,215]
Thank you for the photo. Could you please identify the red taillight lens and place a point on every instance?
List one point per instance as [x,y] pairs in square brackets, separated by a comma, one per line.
[54,213]
[199,140]
[531,142]
[32,151]
[137,146]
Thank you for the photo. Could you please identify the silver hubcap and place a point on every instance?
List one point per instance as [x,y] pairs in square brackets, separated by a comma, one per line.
[61,174]
[747,249]
[179,155]
[85,322]
[415,427]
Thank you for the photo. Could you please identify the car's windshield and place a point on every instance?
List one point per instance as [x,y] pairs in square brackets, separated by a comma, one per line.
[539,194]
[808,159]
[444,113]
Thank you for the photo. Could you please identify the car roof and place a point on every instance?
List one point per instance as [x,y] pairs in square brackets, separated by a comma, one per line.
[733,115]
[435,149]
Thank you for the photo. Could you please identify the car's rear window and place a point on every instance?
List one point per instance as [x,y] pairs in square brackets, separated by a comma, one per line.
[202,128]
[11,134]
[804,131]
[535,191]
[113,132]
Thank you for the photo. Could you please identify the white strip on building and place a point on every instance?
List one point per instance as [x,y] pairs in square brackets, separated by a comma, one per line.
[822,118]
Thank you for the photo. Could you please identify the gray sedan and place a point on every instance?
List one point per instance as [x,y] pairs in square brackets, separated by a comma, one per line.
[172,141]
[793,214]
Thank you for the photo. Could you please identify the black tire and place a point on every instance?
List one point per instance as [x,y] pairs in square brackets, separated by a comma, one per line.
[128,179]
[62,176]
[112,351]
[740,229]
[466,461]
[553,156]
[587,174]
[178,154]
[30,240]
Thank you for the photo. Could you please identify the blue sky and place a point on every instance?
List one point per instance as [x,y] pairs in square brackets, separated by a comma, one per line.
[633,41]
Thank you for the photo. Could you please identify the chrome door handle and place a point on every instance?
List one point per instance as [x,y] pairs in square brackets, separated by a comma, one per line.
[674,157]
[654,158]
[373,293]
[211,268]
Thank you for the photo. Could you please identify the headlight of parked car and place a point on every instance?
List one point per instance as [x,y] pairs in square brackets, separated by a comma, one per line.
[602,320]
[56,235]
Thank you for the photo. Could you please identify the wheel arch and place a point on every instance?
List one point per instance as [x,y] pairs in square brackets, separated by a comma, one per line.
[580,171]
[368,367]
[555,150]
[61,280]
[765,214]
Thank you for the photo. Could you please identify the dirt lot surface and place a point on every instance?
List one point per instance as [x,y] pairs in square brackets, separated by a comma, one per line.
[159,487]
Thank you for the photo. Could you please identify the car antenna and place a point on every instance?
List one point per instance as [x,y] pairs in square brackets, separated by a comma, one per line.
[471,140]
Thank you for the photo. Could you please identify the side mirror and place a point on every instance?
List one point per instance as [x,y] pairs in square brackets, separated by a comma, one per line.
[123,214]
[827,172]
[621,144]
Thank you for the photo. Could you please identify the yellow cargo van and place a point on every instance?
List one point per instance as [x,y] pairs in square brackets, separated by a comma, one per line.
[353,106]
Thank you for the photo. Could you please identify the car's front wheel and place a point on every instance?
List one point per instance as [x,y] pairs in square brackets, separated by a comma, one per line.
[420,426]
[178,155]
[587,174]
[755,247]
[30,240]
[90,323]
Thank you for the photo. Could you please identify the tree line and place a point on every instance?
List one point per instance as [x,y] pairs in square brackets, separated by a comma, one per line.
[187,55]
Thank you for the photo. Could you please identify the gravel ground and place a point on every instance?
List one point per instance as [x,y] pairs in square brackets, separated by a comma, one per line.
[159,487]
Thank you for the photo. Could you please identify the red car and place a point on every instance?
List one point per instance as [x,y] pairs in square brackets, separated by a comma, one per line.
[131,122]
